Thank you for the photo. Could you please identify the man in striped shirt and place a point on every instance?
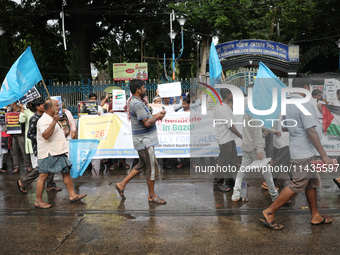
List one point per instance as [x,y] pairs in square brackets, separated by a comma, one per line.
[144,137]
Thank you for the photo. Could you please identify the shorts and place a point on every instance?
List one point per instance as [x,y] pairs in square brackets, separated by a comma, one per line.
[303,179]
[148,163]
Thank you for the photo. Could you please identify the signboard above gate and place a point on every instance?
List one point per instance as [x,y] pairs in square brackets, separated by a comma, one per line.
[130,71]
[289,53]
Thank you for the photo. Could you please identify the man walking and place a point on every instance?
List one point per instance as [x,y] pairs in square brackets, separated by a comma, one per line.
[52,149]
[304,141]
[225,135]
[144,137]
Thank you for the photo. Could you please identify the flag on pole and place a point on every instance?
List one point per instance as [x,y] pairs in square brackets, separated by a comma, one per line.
[23,75]
[81,154]
[215,68]
[262,96]
[331,119]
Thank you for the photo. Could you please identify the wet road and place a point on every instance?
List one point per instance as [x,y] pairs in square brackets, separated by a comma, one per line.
[196,220]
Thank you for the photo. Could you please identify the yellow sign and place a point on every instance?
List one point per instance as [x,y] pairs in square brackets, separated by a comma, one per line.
[104,128]
[130,71]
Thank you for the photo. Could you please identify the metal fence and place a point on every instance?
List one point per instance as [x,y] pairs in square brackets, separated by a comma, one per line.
[73,92]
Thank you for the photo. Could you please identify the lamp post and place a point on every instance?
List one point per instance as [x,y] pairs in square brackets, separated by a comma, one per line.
[338,44]
[181,20]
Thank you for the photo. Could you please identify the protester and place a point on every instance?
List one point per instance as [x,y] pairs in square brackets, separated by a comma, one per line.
[18,142]
[171,107]
[3,149]
[144,137]
[24,117]
[304,141]
[69,126]
[317,95]
[38,109]
[52,149]
[225,135]
[253,149]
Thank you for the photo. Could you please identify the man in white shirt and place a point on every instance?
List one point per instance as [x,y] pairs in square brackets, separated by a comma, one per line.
[225,135]
[52,149]
[171,107]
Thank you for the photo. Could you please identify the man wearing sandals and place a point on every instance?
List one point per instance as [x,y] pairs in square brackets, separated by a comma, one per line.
[304,141]
[144,137]
[52,149]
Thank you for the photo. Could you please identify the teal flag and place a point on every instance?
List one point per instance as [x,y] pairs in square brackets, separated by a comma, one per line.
[263,97]
[215,68]
[23,75]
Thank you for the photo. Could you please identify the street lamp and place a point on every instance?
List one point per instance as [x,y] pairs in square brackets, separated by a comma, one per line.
[181,20]
[338,44]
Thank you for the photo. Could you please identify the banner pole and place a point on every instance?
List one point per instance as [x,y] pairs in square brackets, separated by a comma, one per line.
[48,95]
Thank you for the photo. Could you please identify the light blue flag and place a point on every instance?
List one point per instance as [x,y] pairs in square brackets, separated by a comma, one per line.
[215,68]
[23,75]
[263,95]
[81,154]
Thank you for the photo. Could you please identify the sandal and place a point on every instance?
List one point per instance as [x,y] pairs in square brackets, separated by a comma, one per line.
[241,200]
[121,192]
[16,170]
[79,197]
[157,200]
[271,225]
[2,171]
[324,221]
[54,189]
[42,206]
[21,188]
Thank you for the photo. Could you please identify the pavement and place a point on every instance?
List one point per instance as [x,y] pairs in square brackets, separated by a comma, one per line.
[195,220]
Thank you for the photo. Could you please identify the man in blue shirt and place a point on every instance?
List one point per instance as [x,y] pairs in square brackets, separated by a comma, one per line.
[144,137]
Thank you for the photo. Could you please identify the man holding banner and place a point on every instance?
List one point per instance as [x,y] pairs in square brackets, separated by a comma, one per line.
[144,136]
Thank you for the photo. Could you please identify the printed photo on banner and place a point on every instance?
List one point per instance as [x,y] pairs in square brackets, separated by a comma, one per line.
[130,71]
[32,94]
[58,99]
[12,123]
[87,108]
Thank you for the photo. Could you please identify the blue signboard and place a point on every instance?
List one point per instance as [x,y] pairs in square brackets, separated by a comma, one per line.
[289,53]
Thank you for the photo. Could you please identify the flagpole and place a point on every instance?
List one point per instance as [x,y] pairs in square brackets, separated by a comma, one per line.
[223,78]
[48,95]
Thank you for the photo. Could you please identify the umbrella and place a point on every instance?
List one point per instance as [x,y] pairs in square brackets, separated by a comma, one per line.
[109,89]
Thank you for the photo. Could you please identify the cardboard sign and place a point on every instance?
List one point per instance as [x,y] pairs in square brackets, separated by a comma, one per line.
[169,89]
[32,94]
[12,123]
[118,100]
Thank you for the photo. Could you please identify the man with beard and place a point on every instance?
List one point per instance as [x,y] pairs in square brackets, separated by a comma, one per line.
[144,137]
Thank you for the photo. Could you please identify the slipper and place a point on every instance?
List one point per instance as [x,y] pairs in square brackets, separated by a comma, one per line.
[78,198]
[240,200]
[157,200]
[44,206]
[21,188]
[323,222]
[16,170]
[222,189]
[271,225]
[2,171]
[266,187]
[121,192]
[54,189]
[336,182]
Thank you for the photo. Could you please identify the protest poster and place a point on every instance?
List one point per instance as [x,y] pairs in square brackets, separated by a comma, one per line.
[32,94]
[118,100]
[12,123]
[58,99]
[156,108]
[331,86]
[2,115]
[169,89]
[87,107]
